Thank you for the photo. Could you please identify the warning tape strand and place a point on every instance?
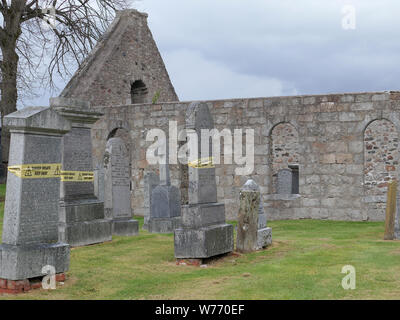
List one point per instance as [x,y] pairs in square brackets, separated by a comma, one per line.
[204,163]
[49,171]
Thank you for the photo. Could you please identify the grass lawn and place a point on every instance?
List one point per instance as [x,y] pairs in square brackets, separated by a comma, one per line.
[305,262]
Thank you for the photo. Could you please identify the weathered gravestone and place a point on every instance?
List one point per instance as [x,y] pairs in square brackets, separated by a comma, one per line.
[151,181]
[204,231]
[30,230]
[252,231]
[82,220]
[118,189]
[284,181]
[247,228]
[165,202]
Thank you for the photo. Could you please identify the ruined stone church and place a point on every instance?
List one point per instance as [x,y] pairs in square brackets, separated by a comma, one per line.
[316,156]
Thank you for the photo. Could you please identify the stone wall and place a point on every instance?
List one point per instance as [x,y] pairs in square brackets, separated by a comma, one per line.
[332,150]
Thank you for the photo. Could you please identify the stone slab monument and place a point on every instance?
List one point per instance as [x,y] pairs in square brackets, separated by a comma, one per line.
[31,216]
[204,231]
[285,181]
[151,181]
[252,231]
[82,218]
[117,182]
[165,202]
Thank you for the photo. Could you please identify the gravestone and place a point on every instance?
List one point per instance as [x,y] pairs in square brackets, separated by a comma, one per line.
[82,220]
[165,202]
[264,234]
[204,231]
[118,189]
[151,181]
[285,181]
[30,230]
[247,229]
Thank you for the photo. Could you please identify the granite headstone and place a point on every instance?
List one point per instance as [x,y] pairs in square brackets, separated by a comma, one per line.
[30,230]
[82,218]
[118,189]
[204,231]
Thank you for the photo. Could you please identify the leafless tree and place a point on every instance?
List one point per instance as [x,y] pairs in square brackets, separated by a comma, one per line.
[41,38]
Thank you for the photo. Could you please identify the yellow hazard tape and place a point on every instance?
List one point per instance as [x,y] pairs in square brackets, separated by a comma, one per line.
[77,176]
[205,163]
[37,171]
[48,171]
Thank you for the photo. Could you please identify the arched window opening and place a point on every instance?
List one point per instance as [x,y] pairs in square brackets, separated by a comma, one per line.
[138,92]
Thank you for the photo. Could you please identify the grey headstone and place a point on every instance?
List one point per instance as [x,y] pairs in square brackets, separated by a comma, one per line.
[247,229]
[165,202]
[151,180]
[78,198]
[118,188]
[30,230]
[204,231]
[284,181]
[253,233]
[202,183]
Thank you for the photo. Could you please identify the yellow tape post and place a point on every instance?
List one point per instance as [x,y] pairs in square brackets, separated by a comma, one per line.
[37,171]
[204,163]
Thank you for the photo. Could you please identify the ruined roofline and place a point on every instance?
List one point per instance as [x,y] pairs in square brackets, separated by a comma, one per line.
[93,55]
[255,98]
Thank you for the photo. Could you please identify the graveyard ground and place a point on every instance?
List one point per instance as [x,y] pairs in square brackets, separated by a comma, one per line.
[305,262]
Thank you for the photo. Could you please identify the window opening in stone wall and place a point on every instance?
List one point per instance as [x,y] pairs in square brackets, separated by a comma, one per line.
[381,158]
[138,92]
[285,159]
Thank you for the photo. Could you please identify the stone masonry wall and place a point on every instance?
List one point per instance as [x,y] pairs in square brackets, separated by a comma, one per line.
[332,139]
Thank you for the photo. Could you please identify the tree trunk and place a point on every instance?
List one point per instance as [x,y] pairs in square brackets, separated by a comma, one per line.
[9,96]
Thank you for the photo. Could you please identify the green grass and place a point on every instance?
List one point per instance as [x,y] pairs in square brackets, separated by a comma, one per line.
[305,262]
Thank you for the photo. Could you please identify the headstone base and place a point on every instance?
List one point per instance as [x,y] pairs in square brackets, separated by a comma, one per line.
[27,261]
[203,262]
[26,285]
[86,233]
[264,238]
[204,242]
[125,228]
[83,223]
[164,225]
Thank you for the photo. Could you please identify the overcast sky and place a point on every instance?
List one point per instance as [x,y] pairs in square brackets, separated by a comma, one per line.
[218,49]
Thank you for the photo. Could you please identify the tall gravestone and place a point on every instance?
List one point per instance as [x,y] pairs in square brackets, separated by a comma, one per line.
[151,181]
[118,189]
[82,219]
[204,231]
[30,230]
[165,202]
[252,233]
